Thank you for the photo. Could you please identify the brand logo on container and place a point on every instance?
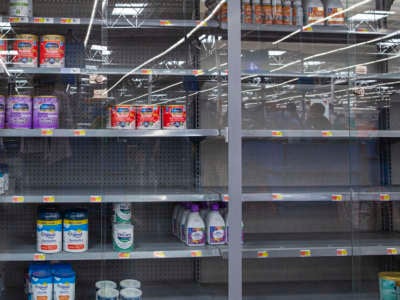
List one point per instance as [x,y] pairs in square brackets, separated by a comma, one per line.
[146,110]
[48,234]
[52,46]
[42,287]
[21,107]
[24,45]
[47,107]
[75,234]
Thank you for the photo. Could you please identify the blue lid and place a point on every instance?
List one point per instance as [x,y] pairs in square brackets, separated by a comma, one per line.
[49,214]
[76,214]
[64,273]
[37,266]
[60,267]
[41,274]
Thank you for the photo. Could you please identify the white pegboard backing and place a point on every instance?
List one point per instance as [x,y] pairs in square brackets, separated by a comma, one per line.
[172,9]
[88,272]
[292,270]
[120,163]
[295,163]
[289,217]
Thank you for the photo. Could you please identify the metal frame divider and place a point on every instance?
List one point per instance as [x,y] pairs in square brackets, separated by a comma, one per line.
[234,151]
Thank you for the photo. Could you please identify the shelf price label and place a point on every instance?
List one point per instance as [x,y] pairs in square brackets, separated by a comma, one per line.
[18,199]
[305,253]
[326,133]
[70,21]
[225,198]
[43,20]
[341,252]
[124,255]
[159,254]
[308,28]
[276,196]
[277,133]
[95,199]
[202,23]
[18,20]
[47,132]
[79,132]
[384,197]
[165,23]
[337,197]
[392,251]
[146,71]
[198,72]
[262,254]
[39,257]
[49,199]
[197,253]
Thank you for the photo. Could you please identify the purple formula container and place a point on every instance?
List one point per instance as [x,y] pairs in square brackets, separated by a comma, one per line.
[19,112]
[2,111]
[45,112]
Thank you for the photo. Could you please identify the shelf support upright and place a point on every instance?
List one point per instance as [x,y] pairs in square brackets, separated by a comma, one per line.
[234,151]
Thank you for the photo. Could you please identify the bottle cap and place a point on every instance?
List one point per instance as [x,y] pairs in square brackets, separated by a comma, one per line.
[195,208]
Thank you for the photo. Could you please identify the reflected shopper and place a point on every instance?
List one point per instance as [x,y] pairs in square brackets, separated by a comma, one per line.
[291,119]
[316,118]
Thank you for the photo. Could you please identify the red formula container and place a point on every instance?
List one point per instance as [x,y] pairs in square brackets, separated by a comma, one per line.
[174,117]
[123,117]
[148,117]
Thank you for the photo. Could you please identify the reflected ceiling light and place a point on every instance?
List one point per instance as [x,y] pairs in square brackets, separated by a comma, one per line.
[168,50]
[128,9]
[276,52]
[314,63]
[321,21]
[5,25]
[89,30]
[9,52]
[371,16]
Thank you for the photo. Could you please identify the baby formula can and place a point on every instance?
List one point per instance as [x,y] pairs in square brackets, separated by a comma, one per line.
[27,47]
[148,117]
[76,230]
[123,117]
[45,112]
[20,8]
[3,49]
[34,267]
[387,285]
[105,284]
[123,237]
[64,284]
[42,285]
[174,117]
[131,294]
[129,283]
[122,213]
[49,229]
[107,294]
[2,111]
[19,112]
[52,51]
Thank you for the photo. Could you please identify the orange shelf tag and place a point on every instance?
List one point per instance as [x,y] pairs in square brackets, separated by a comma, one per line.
[47,132]
[159,254]
[326,133]
[165,23]
[341,252]
[305,253]
[337,197]
[197,253]
[225,198]
[18,199]
[392,251]
[384,197]
[95,199]
[276,196]
[39,257]
[79,132]
[276,133]
[124,255]
[262,254]
[49,199]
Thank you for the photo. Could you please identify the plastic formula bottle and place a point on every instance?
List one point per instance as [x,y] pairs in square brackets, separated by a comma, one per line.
[122,213]
[247,14]
[215,226]
[195,228]
[277,12]
[258,12]
[183,220]
[49,231]
[42,285]
[298,14]
[267,7]
[123,237]
[76,230]
[287,13]
[332,7]
[63,283]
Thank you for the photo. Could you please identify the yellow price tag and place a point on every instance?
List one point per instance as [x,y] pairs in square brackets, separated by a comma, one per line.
[305,253]
[146,71]
[43,20]
[384,197]
[47,132]
[337,197]
[124,255]
[18,19]
[262,254]
[165,23]
[70,21]
[79,132]
[276,196]
[392,251]
[197,253]
[198,72]
[49,199]
[277,133]
[95,199]
[18,199]
[326,133]
[308,29]
[39,257]
[203,24]
[341,252]
[159,254]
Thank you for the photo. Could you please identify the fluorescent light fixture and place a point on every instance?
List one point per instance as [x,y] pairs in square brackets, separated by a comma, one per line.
[98,48]
[8,52]
[202,37]
[5,25]
[370,16]
[168,50]
[313,63]
[321,21]
[276,52]
[89,30]
[128,9]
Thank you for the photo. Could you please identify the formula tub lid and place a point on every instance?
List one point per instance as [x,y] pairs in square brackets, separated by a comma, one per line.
[131,292]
